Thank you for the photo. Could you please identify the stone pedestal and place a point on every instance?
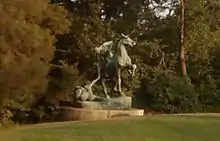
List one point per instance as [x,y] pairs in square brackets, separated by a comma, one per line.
[82,114]
[99,110]
[119,103]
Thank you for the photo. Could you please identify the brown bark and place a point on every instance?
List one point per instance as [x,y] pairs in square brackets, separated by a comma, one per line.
[182,47]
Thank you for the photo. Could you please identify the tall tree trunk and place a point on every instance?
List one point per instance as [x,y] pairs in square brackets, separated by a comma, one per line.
[182,48]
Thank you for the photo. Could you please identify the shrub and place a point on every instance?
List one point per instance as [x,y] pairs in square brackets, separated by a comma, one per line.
[208,95]
[165,92]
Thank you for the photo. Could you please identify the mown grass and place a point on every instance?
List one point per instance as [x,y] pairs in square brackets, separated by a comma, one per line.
[151,128]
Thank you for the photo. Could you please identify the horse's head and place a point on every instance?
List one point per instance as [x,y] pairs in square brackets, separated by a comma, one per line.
[126,40]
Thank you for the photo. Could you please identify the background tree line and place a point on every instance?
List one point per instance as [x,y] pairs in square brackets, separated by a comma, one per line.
[45,51]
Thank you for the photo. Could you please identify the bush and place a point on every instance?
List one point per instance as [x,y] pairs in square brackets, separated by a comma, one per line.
[163,91]
[19,86]
[63,79]
[173,94]
[209,95]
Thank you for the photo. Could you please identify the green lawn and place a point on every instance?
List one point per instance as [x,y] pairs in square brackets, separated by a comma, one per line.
[151,128]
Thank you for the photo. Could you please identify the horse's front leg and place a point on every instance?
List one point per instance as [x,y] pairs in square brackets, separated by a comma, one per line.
[132,72]
[119,82]
[134,67]
[115,87]
[105,89]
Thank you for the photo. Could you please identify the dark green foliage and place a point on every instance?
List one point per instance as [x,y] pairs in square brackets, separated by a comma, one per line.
[28,29]
[172,94]
[67,78]
[209,95]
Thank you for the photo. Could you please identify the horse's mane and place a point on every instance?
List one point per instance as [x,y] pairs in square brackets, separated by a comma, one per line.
[116,43]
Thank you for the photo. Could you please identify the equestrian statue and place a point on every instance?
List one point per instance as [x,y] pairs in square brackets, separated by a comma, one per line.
[112,57]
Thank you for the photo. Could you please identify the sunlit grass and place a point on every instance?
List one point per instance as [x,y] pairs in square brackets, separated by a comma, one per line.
[152,128]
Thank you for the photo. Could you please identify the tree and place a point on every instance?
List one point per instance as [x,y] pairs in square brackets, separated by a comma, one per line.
[28,31]
[182,48]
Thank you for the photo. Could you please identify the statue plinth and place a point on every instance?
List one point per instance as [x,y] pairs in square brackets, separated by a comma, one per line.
[118,103]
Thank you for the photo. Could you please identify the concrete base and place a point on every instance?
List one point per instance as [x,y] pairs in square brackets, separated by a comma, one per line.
[74,114]
[118,103]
